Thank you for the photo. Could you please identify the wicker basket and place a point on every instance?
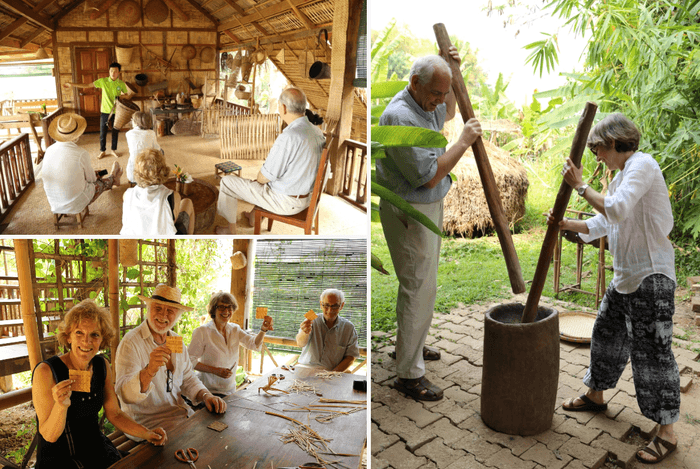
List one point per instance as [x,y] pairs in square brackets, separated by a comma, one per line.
[241,92]
[128,252]
[246,67]
[129,11]
[207,55]
[157,11]
[188,52]
[123,110]
[576,326]
[124,54]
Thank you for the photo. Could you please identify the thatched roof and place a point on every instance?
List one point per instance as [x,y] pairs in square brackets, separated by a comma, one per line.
[466,209]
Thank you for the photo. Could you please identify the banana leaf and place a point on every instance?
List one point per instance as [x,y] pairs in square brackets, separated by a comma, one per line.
[401,204]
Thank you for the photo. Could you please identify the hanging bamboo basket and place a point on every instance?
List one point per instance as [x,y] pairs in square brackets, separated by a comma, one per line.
[128,252]
[124,54]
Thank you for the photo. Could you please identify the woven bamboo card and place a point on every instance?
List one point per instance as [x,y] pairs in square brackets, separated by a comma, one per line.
[174,343]
[81,380]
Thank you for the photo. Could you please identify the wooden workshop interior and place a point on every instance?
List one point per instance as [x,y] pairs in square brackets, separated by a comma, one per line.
[56,274]
[199,59]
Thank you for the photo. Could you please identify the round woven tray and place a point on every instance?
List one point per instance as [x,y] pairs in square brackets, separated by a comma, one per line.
[576,326]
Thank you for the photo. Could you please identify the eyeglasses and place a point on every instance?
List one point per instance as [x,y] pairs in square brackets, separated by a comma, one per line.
[168,381]
[225,307]
[335,306]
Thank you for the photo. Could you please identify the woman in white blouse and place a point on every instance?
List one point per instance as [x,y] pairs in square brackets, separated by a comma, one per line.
[214,347]
[636,315]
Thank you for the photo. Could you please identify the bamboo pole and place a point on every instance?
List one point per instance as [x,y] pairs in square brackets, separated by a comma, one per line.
[493,197]
[560,204]
[26,292]
[113,282]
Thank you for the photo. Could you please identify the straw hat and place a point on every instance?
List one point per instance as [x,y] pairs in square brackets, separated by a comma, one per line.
[207,55]
[129,11]
[67,127]
[188,52]
[157,11]
[165,295]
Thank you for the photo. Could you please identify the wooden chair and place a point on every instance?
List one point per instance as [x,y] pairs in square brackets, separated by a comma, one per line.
[78,216]
[307,218]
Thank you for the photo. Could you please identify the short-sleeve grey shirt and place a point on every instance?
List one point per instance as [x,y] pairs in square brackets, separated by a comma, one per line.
[406,169]
[293,160]
[327,347]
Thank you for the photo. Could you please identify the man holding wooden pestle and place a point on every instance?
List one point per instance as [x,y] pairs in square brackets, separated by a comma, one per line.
[112,87]
[421,177]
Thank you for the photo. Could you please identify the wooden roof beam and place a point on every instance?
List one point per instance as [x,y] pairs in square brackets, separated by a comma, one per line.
[277,38]
[177,10]
[233,37]
[67,9]
[308,24]
[12,27]
[258,15]
[22,20]
[23,10]
[203,11]
[31,37]
[103,8]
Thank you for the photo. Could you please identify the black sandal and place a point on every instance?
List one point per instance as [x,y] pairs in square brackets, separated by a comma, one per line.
[419,389]
[658,451]
[588,405]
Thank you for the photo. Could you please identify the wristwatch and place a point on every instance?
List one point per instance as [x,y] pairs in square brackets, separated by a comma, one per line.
[582,190]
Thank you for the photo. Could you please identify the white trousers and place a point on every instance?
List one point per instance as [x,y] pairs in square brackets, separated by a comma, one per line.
[233,188]
[415,252]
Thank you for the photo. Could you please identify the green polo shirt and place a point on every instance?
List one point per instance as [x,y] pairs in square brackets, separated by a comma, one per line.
[111,90]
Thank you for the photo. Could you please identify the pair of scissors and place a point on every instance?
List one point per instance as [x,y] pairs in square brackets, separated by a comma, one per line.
[190,457]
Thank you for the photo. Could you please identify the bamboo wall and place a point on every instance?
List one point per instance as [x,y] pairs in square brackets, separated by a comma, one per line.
[165,40]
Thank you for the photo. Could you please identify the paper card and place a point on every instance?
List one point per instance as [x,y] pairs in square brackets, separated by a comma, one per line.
[218,426]
[174,343]
[81,380]
[310,315]
[260,312]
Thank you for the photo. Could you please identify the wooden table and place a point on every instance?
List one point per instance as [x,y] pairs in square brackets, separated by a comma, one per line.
[164,112]
[254,436]
[203,196]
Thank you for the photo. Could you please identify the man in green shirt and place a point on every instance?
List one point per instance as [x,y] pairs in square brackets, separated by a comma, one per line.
[112,87]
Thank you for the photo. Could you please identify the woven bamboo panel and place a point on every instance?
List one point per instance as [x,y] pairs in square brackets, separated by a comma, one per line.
[203,37]
[100,36]
[71,36]
[248,137]
[64,65]
[211,118]
[77,17]
[176,37]
[151,37]
[128,37]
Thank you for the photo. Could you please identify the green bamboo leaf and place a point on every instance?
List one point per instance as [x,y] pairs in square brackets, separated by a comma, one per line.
[401,204]
[377,265]
[387,89]
[405,136]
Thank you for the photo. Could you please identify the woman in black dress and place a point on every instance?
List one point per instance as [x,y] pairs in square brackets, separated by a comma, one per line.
[69,433]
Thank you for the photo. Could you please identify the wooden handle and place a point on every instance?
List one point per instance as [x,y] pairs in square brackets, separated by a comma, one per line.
[493,197]
[562,201]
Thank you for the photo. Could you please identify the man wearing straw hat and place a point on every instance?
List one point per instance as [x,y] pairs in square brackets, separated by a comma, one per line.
[285,181]
[421,177]
[152,374]
[112,87]
[70,182]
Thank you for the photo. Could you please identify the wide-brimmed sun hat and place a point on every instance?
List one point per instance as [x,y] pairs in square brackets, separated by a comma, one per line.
[165,295]
[67,127]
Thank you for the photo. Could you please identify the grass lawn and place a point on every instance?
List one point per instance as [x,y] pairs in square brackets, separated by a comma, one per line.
[473,271]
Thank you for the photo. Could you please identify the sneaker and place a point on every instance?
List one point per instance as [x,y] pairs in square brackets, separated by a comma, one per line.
[101,155]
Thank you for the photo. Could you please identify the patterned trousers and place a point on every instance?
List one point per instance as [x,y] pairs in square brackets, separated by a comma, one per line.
[638,325]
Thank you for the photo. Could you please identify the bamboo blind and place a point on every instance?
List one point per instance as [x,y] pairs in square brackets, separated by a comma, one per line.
[248,137]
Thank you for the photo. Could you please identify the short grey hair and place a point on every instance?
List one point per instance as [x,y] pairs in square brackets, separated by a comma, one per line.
[294,99]
[335,292]
[424,67]
[615,129]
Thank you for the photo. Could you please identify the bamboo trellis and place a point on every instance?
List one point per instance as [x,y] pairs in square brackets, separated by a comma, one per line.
[248,137]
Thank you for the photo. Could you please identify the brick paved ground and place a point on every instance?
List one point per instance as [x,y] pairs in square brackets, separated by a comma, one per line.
[450,433]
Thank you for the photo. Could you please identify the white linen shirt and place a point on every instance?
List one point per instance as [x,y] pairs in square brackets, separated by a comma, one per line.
[138,140]
[68,176]
[156,407]
[637,223]
[327,347]
[293,160]
[208,347]
[146,212]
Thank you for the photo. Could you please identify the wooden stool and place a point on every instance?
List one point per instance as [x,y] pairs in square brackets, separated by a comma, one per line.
[225,168]
[78,216]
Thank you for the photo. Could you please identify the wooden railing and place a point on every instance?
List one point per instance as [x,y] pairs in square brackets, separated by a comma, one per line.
[16,172]
[46,122]
[355,174]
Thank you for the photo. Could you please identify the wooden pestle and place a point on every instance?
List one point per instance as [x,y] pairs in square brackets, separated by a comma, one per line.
[562,201]
[493,197]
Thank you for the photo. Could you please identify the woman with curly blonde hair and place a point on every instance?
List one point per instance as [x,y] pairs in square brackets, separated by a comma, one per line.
[141,137]
[149,207]
[66,410]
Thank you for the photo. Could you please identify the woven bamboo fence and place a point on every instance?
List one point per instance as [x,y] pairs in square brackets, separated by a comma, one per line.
[248,137]
[211,116]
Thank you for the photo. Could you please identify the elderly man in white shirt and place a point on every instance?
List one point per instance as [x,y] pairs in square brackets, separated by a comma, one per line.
[151,376]
[285,181]
[70,182]
[329,341]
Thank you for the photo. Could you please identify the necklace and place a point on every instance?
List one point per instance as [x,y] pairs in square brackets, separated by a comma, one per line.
[72,365]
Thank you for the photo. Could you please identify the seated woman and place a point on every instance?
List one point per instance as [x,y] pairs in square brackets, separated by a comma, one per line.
[70,182]
[140,138]
[69,432]
[149,207]
[214,347]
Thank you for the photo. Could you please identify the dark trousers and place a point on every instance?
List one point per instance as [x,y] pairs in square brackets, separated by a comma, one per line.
[639,326]
[104,130]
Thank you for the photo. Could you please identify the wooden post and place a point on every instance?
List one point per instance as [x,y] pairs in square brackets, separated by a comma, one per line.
[113,291]
[26,291]
[346,20]
[493,197]
[239,279]
[562,200]
[172,263]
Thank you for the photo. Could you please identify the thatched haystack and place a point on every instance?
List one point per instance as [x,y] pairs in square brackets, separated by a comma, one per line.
[466,210]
